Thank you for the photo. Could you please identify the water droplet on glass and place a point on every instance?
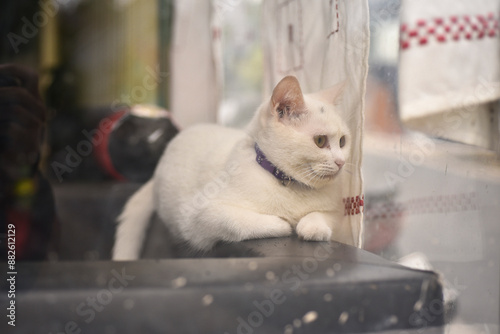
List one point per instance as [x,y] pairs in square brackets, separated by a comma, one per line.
[344,316]
[207,300]
[310,316]
[91,255]
[270,275]
[328,297]
[128,304]
[392,320]
[252,265]
[179,282]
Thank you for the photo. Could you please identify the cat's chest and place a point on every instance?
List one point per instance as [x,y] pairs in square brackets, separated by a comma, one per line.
[293,204]
[290,202]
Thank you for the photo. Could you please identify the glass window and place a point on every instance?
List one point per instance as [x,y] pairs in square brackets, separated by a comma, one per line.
[91,99]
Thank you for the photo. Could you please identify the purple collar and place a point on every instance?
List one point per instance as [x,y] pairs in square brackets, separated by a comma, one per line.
[267,165]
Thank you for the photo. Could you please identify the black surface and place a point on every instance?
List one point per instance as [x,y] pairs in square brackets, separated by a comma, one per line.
[350,291]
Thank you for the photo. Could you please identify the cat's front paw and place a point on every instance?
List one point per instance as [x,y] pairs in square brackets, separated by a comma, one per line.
[277,227]
[313,228]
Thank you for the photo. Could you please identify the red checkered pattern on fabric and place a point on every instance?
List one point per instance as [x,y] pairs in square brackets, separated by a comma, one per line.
[421,205]
[384,211]
[353,205]
[449,29]
[442,204]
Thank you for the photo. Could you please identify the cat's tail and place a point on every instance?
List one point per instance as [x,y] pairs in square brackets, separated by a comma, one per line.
[133,223]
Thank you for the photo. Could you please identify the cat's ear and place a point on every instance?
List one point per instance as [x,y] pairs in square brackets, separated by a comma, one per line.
[333,94]
[287,99]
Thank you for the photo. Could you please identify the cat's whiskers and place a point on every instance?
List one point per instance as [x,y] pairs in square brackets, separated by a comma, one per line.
[326,168]
[320,172]
[307,173]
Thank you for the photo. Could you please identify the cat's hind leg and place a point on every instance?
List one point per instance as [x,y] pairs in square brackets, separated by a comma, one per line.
[133,223]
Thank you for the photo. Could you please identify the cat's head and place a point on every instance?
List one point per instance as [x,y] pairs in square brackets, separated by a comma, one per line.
[304,135]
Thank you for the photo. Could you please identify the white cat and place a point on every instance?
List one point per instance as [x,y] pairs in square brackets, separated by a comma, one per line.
[219,184]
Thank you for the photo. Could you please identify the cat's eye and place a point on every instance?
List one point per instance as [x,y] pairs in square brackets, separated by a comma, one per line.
[320,141]
[342,141]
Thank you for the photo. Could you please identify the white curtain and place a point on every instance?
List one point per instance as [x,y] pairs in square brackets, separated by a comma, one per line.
[324,42]
[194,63]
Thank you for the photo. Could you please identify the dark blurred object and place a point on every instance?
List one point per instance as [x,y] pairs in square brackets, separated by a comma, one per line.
[7,81]
[122,144]
[62,92]
[15,42]
[67,120]
[32,212]
[26,201]
[22,117]
[131,150]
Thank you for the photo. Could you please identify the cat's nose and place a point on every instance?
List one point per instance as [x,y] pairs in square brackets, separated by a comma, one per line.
[339,163]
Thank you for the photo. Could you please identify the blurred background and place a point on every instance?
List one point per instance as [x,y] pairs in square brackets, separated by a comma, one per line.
[436,193]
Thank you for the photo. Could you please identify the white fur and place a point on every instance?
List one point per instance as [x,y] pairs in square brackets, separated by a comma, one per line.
[133,223]
[208,187]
